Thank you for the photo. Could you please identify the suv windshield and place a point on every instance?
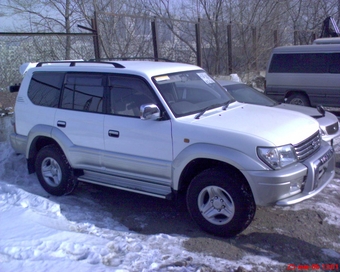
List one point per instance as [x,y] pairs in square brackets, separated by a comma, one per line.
[191,92]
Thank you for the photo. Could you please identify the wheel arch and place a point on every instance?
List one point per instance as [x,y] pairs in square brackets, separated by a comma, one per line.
[199,157]
[199,165]
[39,137]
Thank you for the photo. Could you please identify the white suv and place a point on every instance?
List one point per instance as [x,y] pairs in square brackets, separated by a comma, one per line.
[163,129]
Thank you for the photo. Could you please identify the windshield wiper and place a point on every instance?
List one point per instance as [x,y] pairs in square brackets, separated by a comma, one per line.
[225,106]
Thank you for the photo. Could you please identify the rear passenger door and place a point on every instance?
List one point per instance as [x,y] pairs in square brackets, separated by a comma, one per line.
[135,148]
[80,118]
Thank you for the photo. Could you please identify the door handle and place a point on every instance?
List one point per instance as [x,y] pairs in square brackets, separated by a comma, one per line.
[113,133]
[61,124]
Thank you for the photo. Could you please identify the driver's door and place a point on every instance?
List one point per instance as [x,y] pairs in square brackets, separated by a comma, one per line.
[135,148]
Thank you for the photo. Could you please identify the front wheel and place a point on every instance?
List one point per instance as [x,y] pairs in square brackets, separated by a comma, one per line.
[54,172]
[221,202]
[298,99]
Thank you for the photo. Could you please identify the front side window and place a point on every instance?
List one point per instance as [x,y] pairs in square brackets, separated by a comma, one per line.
[45,88]
[127,94]
[84,92]
[191,92]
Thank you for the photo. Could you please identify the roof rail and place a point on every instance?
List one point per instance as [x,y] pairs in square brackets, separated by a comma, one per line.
[133,58]
[74,62]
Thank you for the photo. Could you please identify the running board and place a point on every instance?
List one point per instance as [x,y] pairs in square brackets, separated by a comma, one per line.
[131,185]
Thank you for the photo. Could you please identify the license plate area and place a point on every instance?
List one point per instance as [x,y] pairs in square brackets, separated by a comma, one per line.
[320,167]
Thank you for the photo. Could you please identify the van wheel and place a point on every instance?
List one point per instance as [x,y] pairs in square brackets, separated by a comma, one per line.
[221,202]
[54,172]
[298,99]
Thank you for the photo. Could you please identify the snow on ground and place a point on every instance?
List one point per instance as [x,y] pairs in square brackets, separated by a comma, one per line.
[37,236]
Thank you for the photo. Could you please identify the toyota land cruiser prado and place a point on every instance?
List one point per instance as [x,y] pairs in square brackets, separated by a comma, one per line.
[162,129]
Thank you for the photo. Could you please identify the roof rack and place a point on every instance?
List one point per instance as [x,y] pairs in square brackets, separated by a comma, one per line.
[133,58]
[74,62]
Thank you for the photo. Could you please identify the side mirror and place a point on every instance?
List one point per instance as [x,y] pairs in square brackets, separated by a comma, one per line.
[149,112]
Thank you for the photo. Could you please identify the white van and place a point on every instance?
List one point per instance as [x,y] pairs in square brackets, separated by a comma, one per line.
[306,75]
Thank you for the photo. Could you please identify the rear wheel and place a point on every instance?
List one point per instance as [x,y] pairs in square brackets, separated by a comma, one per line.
[221,202]
[298,99]
[54,172]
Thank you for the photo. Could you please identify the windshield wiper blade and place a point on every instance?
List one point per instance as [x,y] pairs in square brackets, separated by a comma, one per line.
[206,109]
[225,106]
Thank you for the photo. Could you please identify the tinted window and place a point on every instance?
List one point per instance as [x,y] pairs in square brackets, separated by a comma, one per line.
[246,94]
[44,88]
[84,92]
[334,63]
[299,63]
[127,94]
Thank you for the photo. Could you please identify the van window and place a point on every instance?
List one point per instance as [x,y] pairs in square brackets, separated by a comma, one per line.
[44,88]
[299,63]
[84,92]
[334,63]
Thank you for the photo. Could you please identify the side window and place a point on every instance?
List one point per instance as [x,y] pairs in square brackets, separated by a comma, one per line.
[312,63]
[127,94]
[83,92]
[44,88]
[334,60]
[299,63]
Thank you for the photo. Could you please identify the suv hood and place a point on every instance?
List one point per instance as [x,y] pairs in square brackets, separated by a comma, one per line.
[265,125]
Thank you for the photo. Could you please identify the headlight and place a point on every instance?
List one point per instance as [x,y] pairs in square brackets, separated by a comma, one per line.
[277,157]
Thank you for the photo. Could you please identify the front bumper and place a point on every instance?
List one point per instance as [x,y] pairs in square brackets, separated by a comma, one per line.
[274,187]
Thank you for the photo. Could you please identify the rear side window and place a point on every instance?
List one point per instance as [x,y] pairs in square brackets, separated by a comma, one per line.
[44,88]
[300,63]
[84,92]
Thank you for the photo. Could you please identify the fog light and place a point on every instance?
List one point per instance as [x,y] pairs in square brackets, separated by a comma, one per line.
[296,186]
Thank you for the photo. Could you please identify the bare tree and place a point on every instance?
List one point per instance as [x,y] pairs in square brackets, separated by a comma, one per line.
[48,16]
[124,29]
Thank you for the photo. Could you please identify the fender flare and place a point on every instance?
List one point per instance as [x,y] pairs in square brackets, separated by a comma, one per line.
[233,157]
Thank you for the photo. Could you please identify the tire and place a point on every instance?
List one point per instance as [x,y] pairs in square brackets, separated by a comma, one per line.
[221,202]
[298,99]
[54,172]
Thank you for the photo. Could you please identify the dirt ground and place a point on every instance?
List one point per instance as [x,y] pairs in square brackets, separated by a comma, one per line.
[288,236]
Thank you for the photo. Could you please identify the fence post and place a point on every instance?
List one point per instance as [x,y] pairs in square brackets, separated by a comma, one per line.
[198,43]
[276,38]
[154,39]
[95,36]
[314,34]
[230,58]
[296,37]
[254,34]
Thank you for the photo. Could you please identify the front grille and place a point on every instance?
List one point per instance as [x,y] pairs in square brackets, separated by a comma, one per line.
[308,147]
[332,129]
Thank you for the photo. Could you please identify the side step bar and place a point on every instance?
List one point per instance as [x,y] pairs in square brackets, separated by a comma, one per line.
[131,185]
